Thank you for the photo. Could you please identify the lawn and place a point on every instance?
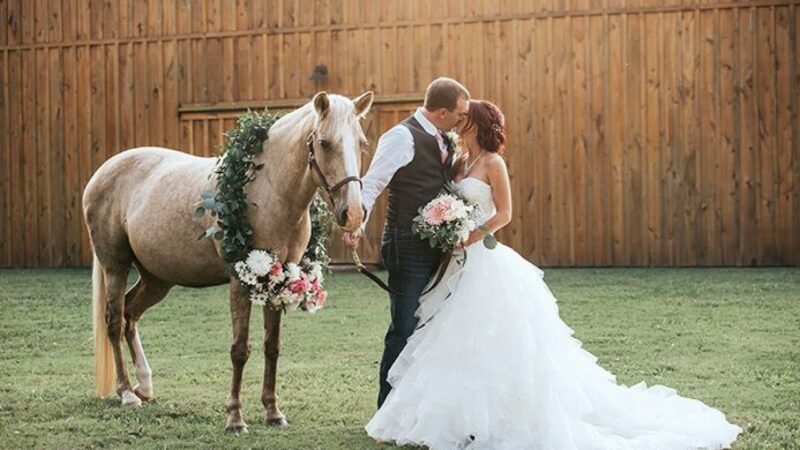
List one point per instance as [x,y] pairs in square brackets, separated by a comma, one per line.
[730,337]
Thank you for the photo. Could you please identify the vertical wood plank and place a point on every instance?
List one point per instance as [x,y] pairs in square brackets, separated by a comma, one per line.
[615,108]
[57,238]
[30,187]
[562,136]
[784,183]
[54,22]
[749,191]
[708,159]
[794,35]
[73,187]
[5,158]
[13,20]
[40,20]
[633,162]
[689,138]
[111,22]
[171,94]
[155,93]
[69,16]
[16,137]
[673,236]
[580,123]
[766,145]
[141,99]
[654,178]
[42,167]
[84,95]
[27,13]
[728,179]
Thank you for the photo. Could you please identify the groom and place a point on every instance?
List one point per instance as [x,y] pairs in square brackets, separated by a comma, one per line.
[413,160]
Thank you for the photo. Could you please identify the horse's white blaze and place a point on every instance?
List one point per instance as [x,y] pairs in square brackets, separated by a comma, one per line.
[351,166]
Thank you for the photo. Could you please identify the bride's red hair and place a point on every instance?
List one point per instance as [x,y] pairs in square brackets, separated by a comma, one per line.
[491,125]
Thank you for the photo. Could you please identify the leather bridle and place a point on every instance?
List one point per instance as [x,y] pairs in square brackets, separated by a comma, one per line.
[314,166]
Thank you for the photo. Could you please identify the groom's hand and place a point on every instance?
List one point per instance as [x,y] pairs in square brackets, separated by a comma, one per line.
[352,239]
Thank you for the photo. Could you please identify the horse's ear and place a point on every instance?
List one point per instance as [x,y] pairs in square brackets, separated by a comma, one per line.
[363,102]
[322,103]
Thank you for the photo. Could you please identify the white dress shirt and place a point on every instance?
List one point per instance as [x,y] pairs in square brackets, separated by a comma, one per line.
[395,150]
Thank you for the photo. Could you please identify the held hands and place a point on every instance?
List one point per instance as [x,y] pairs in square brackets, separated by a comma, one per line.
[352,239]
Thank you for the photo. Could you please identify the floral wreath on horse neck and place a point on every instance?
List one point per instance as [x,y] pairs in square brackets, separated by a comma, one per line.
[268,281]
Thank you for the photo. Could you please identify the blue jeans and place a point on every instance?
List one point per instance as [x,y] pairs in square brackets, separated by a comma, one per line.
[411,263]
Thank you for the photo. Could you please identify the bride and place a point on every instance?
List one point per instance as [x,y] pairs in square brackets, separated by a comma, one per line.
[493,367]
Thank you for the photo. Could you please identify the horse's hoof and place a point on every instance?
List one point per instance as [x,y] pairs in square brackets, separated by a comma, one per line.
[237,429]
[130,399]
[145,395]
[278,422]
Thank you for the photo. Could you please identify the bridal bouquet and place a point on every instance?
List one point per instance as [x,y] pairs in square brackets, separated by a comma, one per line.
[446,221]
[282,286]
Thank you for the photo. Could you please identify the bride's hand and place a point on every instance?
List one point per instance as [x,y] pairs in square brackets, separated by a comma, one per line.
[474,237]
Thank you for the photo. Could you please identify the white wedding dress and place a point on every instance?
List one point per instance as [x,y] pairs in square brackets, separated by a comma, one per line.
[494,368]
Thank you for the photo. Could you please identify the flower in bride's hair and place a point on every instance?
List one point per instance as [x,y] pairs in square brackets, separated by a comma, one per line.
[496,128]
[260,262]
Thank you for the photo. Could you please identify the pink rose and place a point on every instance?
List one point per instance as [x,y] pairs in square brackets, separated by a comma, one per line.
[298,286]
[276,269]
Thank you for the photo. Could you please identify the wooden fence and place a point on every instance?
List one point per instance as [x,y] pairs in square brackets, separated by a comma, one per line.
[661,132]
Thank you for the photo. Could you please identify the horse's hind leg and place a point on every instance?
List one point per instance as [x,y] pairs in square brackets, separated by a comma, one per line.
[148,291]
[116,278]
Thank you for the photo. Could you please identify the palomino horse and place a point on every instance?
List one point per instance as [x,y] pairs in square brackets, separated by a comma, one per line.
[139,206]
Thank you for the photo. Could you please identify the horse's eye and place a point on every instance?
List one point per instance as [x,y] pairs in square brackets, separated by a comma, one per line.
[326,145]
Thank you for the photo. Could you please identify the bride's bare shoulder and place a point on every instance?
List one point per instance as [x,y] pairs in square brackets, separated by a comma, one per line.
[496,163]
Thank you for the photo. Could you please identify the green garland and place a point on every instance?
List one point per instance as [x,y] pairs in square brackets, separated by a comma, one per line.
[235,169]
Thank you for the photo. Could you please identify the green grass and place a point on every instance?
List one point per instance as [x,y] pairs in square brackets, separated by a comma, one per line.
[729,337]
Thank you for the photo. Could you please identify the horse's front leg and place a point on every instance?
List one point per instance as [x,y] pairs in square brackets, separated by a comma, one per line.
[240,351]
[272,348]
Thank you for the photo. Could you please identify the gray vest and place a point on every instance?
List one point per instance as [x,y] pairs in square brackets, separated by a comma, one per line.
[417,183]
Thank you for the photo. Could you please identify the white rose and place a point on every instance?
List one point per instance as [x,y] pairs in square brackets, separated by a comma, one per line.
[463,234]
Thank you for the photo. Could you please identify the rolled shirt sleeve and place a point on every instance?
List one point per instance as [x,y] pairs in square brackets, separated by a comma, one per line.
[395,150]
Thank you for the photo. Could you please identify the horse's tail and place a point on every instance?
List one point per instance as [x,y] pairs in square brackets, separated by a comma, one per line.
[104,371]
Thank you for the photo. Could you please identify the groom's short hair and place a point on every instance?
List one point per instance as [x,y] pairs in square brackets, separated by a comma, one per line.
[444,92]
